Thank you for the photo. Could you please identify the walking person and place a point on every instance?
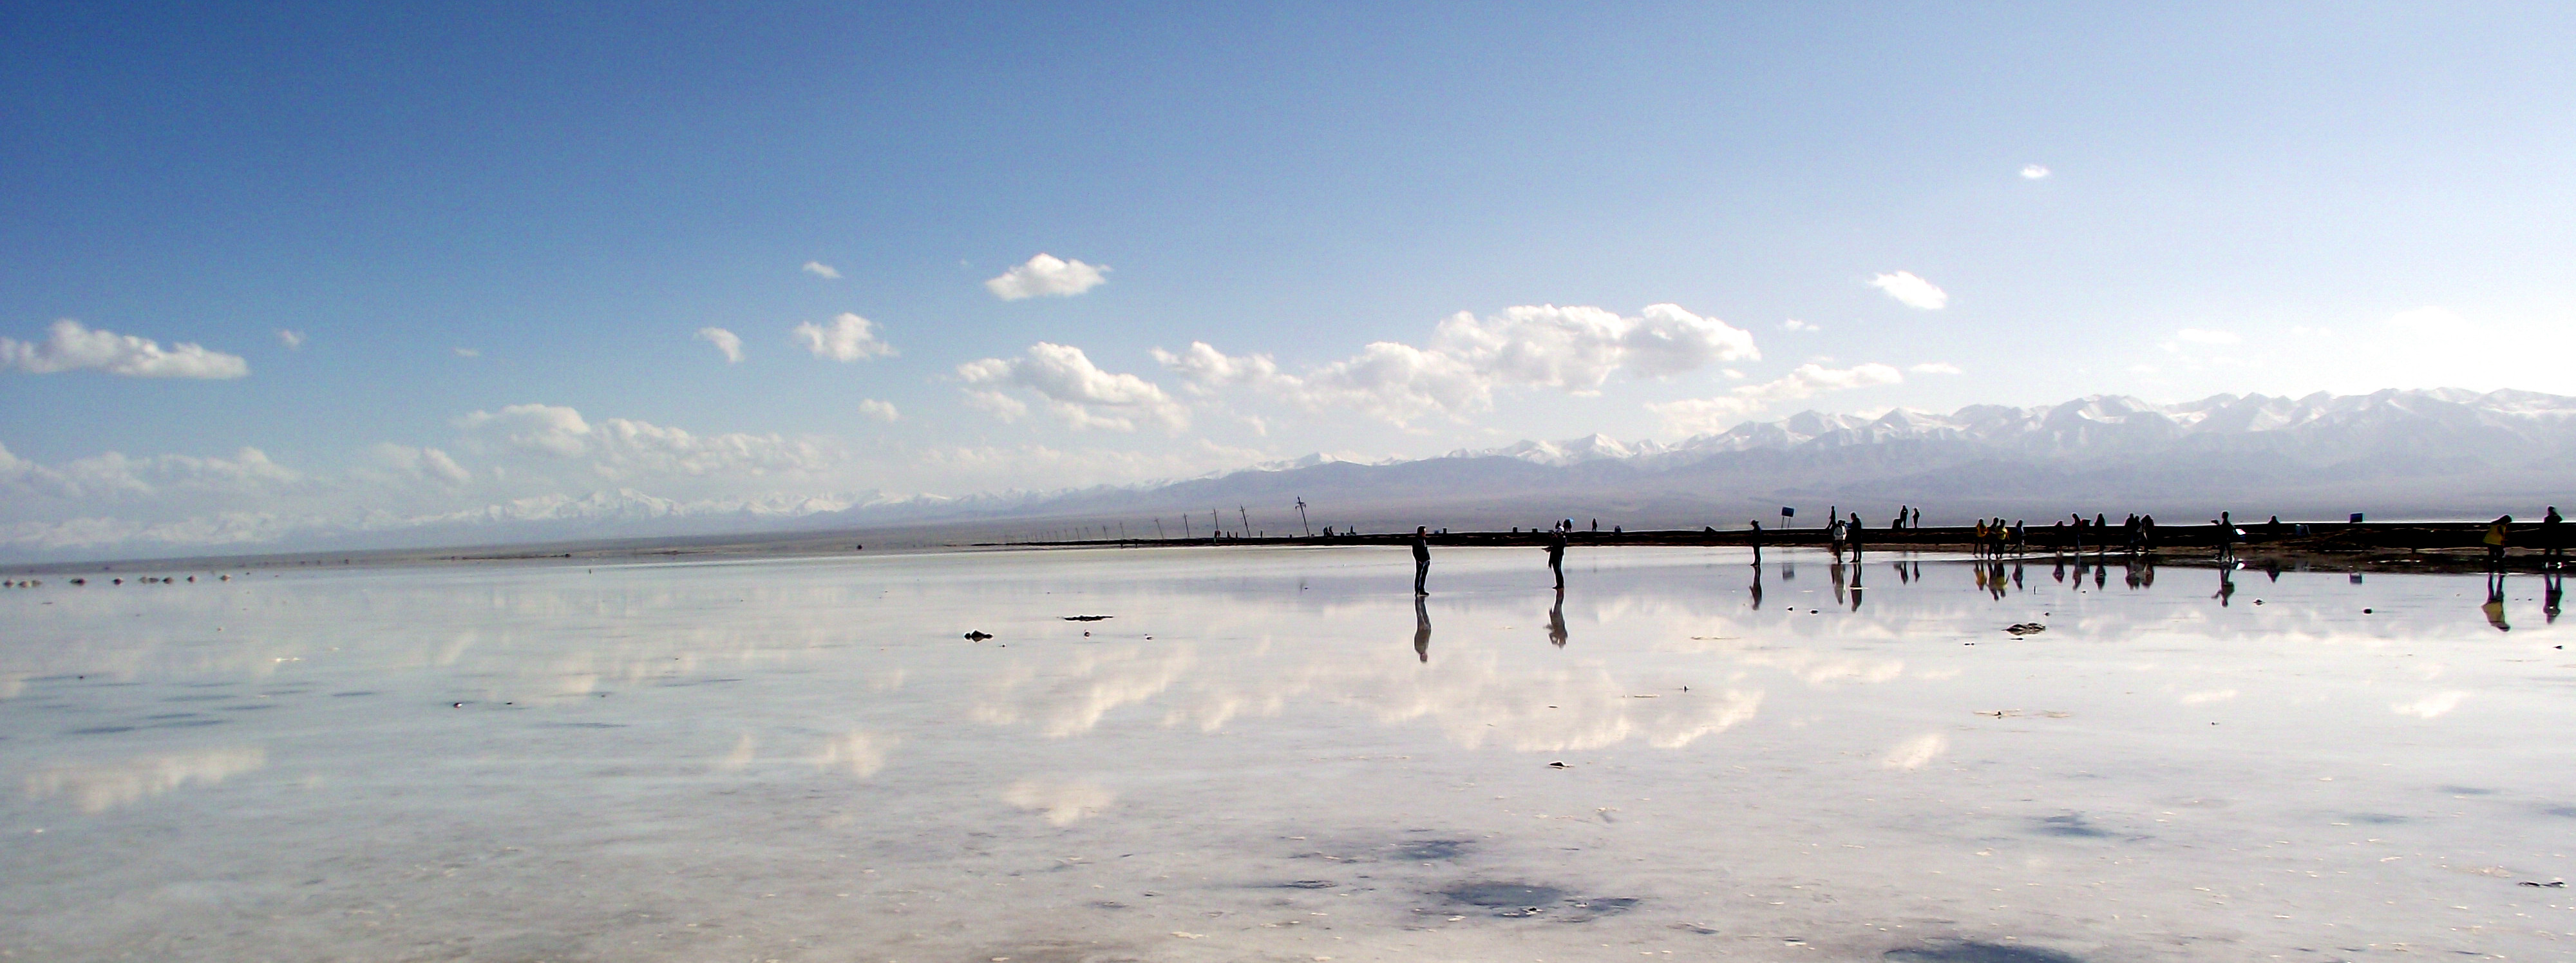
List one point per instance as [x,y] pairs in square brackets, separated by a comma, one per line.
[1556,558]
[1421,559]
[2498,533]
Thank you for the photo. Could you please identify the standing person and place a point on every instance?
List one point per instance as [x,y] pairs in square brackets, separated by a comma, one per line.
[2498,533]
[1556,559]
[2146,534]
[1757,551]
[1851,533]
[2020,540]
[1918,519]
[1834,530]
[1980,539]
[2552,540]
[2226,537]
[1421,559]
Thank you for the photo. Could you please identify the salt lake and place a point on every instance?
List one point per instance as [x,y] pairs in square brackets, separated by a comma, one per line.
[1282,754]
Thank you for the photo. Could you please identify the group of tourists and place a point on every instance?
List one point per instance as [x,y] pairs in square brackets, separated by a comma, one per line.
[2551,540]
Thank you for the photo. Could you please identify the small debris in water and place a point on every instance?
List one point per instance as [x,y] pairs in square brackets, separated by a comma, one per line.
[1559,764]
[2026,628]
[978,636]
[1087,618]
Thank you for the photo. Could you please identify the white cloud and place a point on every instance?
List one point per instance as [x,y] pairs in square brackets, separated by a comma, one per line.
[422,463]
[249,472]
[850,338]
[725,341]
[1573,349]
[879,410]
[1047,274]
[1074,390]
[467,352]
[2033,172]
[820,270]
[618,448]
[2207,336]
[1911,291]
[1699,416]
[1935,367]
[291,338]
[1794,324]
[71,347]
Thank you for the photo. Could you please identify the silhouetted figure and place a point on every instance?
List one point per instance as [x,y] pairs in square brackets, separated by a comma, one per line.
[1857,588]
[1757,552]
[2226,585]
[1756,588]
[1852,533]
[2146,534]
[1556,559]
[2494,609]
[2017,576]
[1556,619]
[2226,537]
[1421,559]
[2079,532]
[2549,597]
[1836,532]
[1421,629]
[1839,595]
[2498,533]
[2101,576]
[2553,540]
[1918,519]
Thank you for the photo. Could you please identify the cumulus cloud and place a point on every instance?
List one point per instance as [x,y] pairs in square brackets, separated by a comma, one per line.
[1935,367]
[849,338]
[616,448]
[248,472]
[821,270]
[1699,416]
[291,338]
[2034,172]
[725,341]
[1794,324]
[1047,274]
[1573,349]
[1911,291]
[879,410]
[71,347]
[428,464]
[1073,389]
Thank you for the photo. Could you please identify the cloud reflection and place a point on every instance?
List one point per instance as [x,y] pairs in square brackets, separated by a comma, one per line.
[1914,753]
[1064,803]
[2431,706]
[859,751]
[98,788]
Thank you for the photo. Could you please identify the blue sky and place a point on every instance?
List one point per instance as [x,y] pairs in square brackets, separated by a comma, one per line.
[2333,197]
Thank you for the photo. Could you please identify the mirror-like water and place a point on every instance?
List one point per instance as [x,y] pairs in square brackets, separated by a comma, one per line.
[1283,755]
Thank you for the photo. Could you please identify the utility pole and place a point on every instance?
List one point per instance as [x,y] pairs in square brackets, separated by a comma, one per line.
[1247,518]
[1216,523]
[1158,529]
[1301,517]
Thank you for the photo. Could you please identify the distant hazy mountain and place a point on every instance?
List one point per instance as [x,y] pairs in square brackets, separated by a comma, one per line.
[2393,454]
[2430,453]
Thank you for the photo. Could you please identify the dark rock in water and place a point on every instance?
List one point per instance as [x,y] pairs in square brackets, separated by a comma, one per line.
[978,636]
[1973,951]
[1309,884]
[1558,765]
[1087,618]
[2026,628]
[1427,850]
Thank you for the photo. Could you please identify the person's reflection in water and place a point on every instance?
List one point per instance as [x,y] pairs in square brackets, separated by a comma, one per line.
[2549,597]
[1857,588]
[2147,572]
[1900,573]
[1980,570]
[2101,575]
[2494,609]
[1556,620]
[2129,573]
[1995,581]
[1421,629]
[1756,588]
[1839,596]
[2060,574]
[2017,577]
[2226,585]
[1788,572]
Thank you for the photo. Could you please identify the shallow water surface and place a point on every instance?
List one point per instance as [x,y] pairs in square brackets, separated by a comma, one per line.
[1283,755]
